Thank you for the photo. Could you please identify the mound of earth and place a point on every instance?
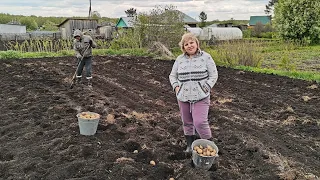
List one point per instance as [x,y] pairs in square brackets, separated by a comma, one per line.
[266,126]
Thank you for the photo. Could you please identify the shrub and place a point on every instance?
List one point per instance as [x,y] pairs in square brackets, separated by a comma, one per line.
[298,20]
[286,63]
[234,53]
[10,54]
[126,40]
[247,33]
[268,35]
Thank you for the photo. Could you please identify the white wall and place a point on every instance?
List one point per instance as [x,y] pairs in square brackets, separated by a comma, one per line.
[194,30]
[10,28]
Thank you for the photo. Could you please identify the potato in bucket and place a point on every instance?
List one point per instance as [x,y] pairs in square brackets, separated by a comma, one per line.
[204,153]
[88,122]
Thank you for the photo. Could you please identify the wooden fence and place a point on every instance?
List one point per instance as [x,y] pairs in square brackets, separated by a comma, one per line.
[29,36]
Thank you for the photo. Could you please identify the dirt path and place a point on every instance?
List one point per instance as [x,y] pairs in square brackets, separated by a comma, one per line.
[266,127]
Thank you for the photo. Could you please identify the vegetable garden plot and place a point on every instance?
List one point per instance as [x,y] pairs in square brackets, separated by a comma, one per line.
[264,125]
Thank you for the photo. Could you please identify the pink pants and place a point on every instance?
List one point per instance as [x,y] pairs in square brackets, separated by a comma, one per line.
[195,117]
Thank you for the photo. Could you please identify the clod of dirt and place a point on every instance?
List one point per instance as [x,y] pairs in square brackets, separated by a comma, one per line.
[314,86]
[306,98]
[110,119]
[288,175]
[124,159]
[289,109]
[240,72]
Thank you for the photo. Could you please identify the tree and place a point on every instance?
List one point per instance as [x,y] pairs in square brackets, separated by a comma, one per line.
[258,30]
[298,20]
[131,12]
[163,24]
[203,18]
[270,6]
[30,23]
[96,15]
[50,26]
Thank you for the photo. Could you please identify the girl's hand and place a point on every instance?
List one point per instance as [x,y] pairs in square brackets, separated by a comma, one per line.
[177,89]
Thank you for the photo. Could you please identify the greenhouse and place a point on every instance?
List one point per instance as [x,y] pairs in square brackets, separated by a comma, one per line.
[220,33]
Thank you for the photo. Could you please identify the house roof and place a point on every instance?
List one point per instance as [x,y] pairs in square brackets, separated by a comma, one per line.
[125,22]
[76,19]
[262,19]
[187,19]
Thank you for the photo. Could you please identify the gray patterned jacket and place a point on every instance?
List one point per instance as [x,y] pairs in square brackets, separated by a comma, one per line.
[80,46]
[195,76]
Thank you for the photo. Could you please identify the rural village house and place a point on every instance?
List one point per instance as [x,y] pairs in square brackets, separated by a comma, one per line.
[125,22]
[68,26]
[128,22]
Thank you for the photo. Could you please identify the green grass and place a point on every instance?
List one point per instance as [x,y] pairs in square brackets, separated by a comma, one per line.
[129,52]
[279,58]
[20,55]
[304,75]
[304,58]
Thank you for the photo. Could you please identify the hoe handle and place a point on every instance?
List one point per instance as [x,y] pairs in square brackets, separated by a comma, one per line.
[75,73]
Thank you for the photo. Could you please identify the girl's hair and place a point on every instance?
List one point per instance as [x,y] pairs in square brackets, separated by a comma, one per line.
[187,37]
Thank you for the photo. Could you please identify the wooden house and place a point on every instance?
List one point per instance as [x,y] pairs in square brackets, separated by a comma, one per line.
[68,26]
[125,22]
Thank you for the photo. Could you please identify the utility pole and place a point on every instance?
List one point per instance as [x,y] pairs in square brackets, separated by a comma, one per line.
[90,10]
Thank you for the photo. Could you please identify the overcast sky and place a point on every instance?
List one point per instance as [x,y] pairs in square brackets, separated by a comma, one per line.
[215,9]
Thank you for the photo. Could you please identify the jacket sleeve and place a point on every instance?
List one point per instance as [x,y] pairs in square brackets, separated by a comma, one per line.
[173,77]
[77,52]
[212,71]
[94,44]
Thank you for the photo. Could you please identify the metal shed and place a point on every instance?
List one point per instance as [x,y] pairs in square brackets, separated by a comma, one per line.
[68,26]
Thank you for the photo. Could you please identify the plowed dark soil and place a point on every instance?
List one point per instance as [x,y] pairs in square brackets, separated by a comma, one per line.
[266,127]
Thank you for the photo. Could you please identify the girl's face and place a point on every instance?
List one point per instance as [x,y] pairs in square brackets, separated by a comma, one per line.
[190,46]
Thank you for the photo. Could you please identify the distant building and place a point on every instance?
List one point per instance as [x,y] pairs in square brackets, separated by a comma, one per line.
[187,20]
[262,19]
[68,26]
[12,28]
[128,22]
[125,22]
[225,25]
[213,25]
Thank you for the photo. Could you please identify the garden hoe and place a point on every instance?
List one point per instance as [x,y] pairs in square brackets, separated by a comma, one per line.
[75,73]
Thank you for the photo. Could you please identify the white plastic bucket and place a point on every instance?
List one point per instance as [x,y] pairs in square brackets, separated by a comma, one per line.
[88,126]
[203,162]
